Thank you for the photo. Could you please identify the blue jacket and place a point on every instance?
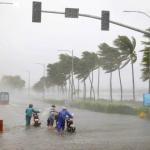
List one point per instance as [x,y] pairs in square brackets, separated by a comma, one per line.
[63,115]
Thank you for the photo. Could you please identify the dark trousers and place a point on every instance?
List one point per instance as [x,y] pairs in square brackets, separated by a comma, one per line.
[28,120]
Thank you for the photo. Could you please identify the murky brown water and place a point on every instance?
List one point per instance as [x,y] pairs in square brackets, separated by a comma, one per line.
[95,131]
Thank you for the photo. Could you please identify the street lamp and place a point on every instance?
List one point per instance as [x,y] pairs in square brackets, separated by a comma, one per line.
[140,12]
[72,70]
[44,84]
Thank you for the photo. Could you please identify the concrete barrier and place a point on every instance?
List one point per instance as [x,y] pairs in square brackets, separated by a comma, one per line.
[1,125]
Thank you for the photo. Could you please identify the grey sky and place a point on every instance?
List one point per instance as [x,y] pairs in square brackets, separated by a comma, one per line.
[23,43]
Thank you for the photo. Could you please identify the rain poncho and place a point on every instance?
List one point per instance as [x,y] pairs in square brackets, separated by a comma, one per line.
[61,119]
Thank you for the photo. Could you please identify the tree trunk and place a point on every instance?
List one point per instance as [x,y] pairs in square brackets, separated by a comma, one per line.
[92,89]
[93,86]
[74,89]
[120,82]
[111,86]
[69,93]
[133,81]
[98,83]
[84,90]
[78,87]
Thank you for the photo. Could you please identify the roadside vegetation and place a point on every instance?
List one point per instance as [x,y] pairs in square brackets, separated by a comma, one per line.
[115,107]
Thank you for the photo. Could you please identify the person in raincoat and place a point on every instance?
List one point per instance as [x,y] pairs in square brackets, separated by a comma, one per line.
[29,111]
[62,116]
[52,117]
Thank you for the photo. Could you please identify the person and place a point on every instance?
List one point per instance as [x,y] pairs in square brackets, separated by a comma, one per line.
[52,117]
[29,111]
[62,116]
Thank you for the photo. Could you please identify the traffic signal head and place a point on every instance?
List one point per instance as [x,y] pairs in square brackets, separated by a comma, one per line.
[105,20]
[36,11]
[71,12]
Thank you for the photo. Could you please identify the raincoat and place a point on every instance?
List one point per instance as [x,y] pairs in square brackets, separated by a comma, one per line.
[29,111]
[61,120]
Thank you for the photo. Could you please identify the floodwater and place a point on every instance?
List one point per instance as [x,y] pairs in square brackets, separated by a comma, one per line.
[95,131]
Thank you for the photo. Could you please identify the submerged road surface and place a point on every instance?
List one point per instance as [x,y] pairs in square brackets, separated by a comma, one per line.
[95,131]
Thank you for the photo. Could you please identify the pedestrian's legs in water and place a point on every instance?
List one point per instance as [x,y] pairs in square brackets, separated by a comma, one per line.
[28,120]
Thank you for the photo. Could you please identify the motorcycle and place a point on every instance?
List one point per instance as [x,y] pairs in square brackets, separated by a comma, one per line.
[70,125]
[36,120]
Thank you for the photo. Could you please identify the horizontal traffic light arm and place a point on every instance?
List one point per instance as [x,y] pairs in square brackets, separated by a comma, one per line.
[99,18]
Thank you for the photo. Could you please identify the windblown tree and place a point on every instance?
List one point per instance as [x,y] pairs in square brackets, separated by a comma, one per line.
[82,72]
[146,60]
[99,62]
[65,62]
[91,59]
[56,75]
[110,61]
[127,49]
[12,82]
[39,86]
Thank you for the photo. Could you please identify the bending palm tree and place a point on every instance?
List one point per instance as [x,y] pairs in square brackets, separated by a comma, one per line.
[146,61]
[127,49]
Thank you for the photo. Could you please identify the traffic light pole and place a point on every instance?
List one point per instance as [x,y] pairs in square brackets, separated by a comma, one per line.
[99,18]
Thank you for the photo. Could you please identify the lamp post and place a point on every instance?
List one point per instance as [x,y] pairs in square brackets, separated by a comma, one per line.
[44,82]
[140,12]
[72,70]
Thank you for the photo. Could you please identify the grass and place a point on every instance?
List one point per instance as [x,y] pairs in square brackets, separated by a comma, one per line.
[117,107]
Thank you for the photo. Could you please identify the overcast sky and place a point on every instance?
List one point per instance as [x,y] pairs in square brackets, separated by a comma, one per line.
[23,43]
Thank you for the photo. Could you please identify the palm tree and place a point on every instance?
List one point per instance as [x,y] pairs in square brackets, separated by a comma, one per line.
[146,60]
[90,58]
[110,61]
[82,73]
[98,75]
[127,50]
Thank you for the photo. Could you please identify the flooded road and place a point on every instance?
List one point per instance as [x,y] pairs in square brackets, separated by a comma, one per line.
[95,131]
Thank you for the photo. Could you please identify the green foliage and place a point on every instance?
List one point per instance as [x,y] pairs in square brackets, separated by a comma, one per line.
[12,82]
[106,107]
[146,59]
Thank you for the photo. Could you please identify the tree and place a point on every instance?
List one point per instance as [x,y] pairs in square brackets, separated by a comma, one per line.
[91,59]
[39,86]
[110,61]
[12,82]
[127,49]
[146,60]
[82,73]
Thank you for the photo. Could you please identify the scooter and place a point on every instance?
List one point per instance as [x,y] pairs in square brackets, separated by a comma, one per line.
[36,120]
[70,125]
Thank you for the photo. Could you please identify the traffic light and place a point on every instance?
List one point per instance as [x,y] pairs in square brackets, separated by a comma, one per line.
[36,11]
[105,20]
[71,12]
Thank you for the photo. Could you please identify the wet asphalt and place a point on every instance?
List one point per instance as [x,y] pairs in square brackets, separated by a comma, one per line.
[95,131]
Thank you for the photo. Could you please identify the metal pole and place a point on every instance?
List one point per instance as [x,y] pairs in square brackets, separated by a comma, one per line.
[72,77]
[99,18]
[6,3]
[140,12]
